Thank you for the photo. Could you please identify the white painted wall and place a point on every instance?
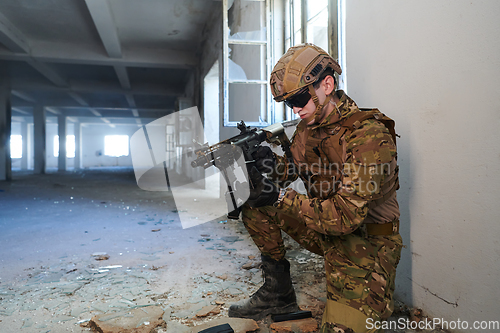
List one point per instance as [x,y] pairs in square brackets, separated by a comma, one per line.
[93,145]
[434,66]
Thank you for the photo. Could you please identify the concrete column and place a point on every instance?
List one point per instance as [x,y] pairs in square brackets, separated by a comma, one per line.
[61,129]
[39,123]
[5,129]
[78,145]
[31,146]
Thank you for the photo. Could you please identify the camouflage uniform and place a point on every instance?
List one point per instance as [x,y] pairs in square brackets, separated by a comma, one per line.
[350,214]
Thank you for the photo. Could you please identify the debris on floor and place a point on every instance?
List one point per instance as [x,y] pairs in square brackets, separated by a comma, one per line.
[307,325]
[108,290]
[99,256]
[52,284]
[142,320]
[208,310]
[239,325]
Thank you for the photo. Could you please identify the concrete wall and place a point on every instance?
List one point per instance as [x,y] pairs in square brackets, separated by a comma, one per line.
[434,66]
[93,145]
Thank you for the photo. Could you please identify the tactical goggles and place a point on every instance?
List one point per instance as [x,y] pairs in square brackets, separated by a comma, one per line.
[299,100]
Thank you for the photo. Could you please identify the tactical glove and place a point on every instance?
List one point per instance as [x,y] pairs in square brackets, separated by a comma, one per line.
[264,159]
[264,191]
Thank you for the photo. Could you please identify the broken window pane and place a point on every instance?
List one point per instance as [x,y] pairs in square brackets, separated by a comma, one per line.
[246,62]
[247,20]
[245,46]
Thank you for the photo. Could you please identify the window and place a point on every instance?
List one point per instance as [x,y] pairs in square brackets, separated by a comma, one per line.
[70,146]
[245,67]
[248,53]
[16,146]
[293,23]
[309,18]
[319,22]
[116,145]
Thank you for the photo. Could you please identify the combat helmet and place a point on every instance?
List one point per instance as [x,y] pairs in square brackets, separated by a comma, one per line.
[298,68]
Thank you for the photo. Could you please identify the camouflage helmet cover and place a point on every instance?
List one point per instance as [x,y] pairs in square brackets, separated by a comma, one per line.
[300,66]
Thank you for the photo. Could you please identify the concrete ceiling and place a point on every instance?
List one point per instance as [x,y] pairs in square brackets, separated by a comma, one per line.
[100,58]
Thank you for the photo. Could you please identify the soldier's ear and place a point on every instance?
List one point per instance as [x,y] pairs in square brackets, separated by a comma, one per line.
[328,84]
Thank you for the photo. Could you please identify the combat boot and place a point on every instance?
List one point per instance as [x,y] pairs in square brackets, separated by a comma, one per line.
[276,296]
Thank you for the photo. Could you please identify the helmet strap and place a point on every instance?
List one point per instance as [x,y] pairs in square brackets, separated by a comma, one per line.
[316,116]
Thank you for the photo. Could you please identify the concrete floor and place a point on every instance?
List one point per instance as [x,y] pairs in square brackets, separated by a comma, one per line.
[54,226]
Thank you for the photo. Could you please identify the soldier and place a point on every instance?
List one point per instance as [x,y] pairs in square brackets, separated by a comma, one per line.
[346,158]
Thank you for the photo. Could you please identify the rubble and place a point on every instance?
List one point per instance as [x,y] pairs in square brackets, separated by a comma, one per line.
[208,310]
[239,325]
[231,239]
[307,325]
[59,291]
[133,321]
[175,327]
[75,296]
[250,265]
[100,256]
[103,257]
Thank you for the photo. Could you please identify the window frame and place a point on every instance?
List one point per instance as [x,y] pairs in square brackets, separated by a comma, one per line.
[267,106]
[336,40]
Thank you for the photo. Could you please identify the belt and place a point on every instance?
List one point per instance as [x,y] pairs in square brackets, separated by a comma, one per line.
[371,229]
[386,229]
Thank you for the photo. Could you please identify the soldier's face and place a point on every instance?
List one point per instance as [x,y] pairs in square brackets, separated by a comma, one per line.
[325,88]
[308,110]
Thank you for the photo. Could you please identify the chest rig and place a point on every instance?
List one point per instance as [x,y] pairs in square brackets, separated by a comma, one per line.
[319,153]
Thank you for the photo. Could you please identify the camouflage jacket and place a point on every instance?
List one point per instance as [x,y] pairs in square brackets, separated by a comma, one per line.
[348,166]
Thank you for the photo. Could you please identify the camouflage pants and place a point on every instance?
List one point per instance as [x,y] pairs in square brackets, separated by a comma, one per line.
[360,271]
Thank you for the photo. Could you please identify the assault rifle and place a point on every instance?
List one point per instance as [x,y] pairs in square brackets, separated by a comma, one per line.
[224,154]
